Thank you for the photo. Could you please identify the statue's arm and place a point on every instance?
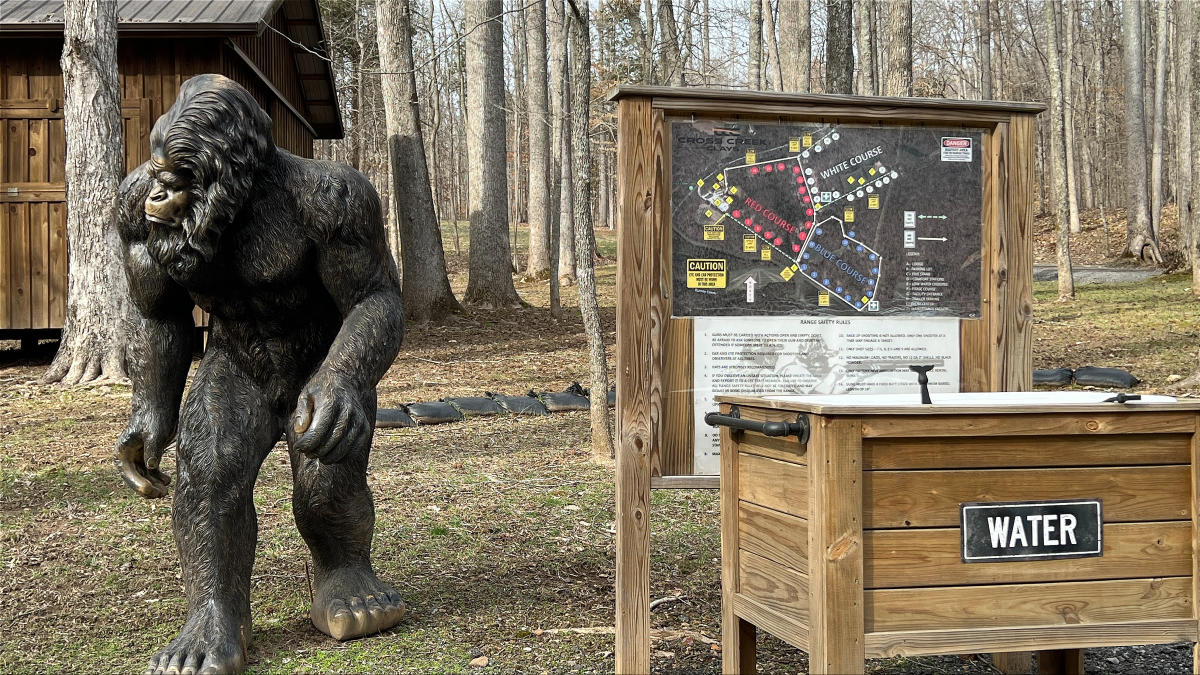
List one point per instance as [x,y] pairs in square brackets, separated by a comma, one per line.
[332,417]
[159,349]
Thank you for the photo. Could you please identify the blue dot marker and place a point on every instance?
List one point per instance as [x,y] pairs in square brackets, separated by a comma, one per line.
[804,267]
[839,289]
[858,304]
[870,282]
[814,275]
[847,297]
[872,256]
[825,282]
[806,256]
[845,243]
[851,235]
[820,231]
[875,270]
[859,248]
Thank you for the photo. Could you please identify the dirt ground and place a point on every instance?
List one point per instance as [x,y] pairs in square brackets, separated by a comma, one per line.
[497,531]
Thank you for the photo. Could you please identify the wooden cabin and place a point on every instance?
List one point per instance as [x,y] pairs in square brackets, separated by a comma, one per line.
[262,44]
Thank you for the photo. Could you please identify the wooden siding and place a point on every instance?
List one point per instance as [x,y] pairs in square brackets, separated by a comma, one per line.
[32,146]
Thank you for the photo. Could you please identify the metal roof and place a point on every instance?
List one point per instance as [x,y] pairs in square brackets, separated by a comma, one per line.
[157,16]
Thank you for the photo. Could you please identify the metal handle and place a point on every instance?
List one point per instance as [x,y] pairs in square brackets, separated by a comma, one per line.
[799,428]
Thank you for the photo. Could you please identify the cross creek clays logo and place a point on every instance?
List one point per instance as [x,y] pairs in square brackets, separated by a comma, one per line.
[706,273]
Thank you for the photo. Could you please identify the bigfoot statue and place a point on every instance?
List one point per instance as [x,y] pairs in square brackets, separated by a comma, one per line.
[289,258]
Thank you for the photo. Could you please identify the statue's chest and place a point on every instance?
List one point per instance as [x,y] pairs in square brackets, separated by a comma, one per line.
[255,275]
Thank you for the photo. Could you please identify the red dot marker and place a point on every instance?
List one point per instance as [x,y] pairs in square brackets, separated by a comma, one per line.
[808,224]
[796,169]
[770,234]
[807,199]
[737,213]
[808,212]
[767,168]
[800,181]
[749,221]
[796,247]
[758,228]
[778,241]
[754,169]
[803,236]
[803,190]
[779,166]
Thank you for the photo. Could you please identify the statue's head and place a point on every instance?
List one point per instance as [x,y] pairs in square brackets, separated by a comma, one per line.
[204,154]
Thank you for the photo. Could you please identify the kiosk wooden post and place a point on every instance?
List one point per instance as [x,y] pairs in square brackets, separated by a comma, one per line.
[654,351]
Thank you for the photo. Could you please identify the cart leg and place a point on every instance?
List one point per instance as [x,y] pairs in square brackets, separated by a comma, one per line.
[1060,662]
[1013,663]
[737,646]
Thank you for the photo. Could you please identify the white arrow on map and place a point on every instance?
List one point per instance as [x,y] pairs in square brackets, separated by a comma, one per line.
[749,289]
[933,239]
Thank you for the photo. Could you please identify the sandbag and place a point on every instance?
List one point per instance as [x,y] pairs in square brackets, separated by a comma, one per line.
[1090,376]
[573,398]
[386,418]
[520,405]
[433,412]
[1058,377]
[475,406]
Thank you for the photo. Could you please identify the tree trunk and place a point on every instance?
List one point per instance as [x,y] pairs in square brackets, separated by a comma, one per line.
[899,49]
[427,294]
[669,53]
[755,79]
[1064,65]
[556,27]
[1156,154]
[539,143]
[581,96]
[1184,53]
[706,42]
[776,68]
[865,73]
[795,50]
[94,329]
[985,49]
[490,283]
[1058,169]
[839,47]
[1140,241]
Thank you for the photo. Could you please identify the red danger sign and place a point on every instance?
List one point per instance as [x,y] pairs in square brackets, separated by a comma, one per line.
[956,142]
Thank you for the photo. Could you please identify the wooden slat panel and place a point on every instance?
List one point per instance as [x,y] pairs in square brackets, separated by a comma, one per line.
[776,485]
[1028,604]
[17,150]
[835,546]
[18,263]
[908,558]
[1195,538]
[899,499]
[57,152]
[774,535]
[1012,325]
[918,643]
[780,589]
[5,253]
[786,449]
[678,444]
[58,264]
[737,636]
[638,411]
[1028,425]
[39,266]
[975,335]
[39,156]
[1024,451]
[771,621]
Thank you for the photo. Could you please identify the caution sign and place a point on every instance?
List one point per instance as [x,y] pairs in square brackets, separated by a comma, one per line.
[749,243]
[706,273]
[714,233]
[956,149]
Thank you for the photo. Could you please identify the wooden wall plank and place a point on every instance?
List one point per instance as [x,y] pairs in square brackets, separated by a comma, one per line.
[678,443]
[1195,539]
[737,635]
[777,485]
[835,547]
[5,254]
[898,499]
[1007,605]
[57,152]
[995,452]
[920,643]
[57,294]
[776,587]
[39,151]
[933,557]
[18,260]
[17,149]
[636,441]
[774,535]
[1012,326]
[975,334]
[39,266]
[911,426]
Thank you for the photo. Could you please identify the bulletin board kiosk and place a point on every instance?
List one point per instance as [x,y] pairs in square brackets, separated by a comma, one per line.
[872,526]
[806,244]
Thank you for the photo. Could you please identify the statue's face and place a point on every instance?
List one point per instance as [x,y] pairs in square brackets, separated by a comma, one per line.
[169,197]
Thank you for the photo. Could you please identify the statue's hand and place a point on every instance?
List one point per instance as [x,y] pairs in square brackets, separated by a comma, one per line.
[139,450]
[330,422]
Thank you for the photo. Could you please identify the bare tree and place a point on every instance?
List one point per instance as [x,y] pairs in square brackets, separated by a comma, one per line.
[539,143]
[985,49]
[1140,241]
[1185,176]
[1160,88]
[427,294]
[775,70]
[899,49]
[560,153]
[490,283]
[755,78]
[795,48]
[839,46]
[581,96]
[94,329]
[865,72]
[1068,99]
[1058,169]
[670,57]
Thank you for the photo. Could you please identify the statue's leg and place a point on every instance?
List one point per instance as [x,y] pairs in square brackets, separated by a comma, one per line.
[225,431]
[336,516]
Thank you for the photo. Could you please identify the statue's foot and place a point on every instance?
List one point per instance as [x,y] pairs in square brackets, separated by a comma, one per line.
[352,603]
[210,642]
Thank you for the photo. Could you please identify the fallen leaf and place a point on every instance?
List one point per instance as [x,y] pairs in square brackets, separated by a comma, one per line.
[480,662]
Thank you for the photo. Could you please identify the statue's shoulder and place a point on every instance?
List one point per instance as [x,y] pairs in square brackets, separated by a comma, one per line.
[131,205]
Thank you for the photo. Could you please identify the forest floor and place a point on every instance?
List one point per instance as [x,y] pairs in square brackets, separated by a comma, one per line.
[498,531]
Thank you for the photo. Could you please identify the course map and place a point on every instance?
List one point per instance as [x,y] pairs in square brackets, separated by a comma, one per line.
[797,219]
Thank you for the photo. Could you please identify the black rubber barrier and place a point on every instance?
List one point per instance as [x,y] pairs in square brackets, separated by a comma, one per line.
[1090,376]
[475,406]
[386,418]
[434,412]
[1059,377]
[520,405]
